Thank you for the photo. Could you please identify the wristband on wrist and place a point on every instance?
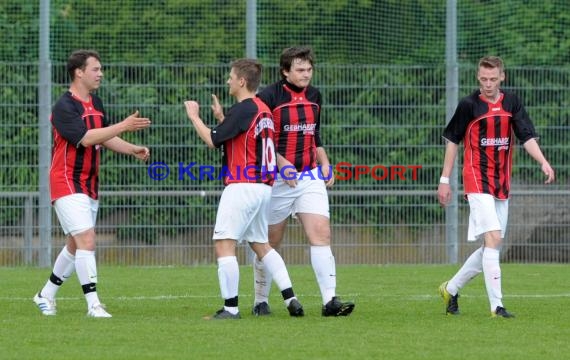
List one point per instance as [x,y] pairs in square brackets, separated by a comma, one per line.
[444,180]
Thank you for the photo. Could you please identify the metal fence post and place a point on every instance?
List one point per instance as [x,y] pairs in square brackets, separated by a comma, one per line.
[452,89]
[44,110]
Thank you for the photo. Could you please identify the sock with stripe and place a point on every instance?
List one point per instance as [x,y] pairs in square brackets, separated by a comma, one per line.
[86,269]
[63,268]
[228,276]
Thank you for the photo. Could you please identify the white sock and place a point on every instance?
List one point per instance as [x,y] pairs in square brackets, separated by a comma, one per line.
[261,281]
[492,273]
[62,269]
[228,275]
[86,269]
[276,267]
[324,267]
[471,268]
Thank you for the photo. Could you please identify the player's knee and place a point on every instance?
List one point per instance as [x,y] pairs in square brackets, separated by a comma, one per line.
[274,242]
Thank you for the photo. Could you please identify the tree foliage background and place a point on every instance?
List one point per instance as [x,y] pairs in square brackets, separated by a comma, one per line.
[380,66]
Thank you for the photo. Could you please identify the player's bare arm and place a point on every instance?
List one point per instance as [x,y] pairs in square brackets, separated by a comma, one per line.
[325,166]
[98,136]
[444,189]
[121,146]
[193,112]
[531,146]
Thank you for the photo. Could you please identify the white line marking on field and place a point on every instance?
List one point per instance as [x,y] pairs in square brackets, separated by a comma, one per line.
[518,296]
[347,296]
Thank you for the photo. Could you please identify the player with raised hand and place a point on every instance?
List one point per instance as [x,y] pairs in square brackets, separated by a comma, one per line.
[246,135]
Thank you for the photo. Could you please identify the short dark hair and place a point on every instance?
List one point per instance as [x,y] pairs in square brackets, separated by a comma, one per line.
[492,62]
[250,70]
[78,60]
[297,52]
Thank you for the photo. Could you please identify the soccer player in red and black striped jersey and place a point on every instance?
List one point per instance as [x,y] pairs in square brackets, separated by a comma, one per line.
[246,135]
[80,129]
[488,122]
[304,173]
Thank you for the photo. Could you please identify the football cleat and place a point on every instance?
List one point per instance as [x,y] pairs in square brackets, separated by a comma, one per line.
[501,312]
[450,301]
[46,306]
[223,314]
[335,307]
[261,309]
[295,308]
[98,311]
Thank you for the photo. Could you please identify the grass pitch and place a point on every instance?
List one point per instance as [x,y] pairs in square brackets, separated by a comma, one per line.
[158,314]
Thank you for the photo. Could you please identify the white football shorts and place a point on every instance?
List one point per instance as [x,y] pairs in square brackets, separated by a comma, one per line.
[242,213]
[486,214]
[309,196]
[76,213]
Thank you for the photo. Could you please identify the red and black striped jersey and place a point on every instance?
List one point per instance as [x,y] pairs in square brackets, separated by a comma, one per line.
[487,130]
[74,167]
[296,112]
[247,134]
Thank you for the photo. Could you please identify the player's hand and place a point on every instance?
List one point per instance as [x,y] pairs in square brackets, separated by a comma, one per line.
[134,123]
[217,108]
[141,153]
[548,171]
[192,109]
[328,175]
[291,183]
[444,194]
[289,175]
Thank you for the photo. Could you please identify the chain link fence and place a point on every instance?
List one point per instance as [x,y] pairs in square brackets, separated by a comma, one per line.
[381,66]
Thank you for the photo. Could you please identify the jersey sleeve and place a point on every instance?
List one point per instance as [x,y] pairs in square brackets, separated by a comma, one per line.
[522,125]
[237,120]
[67,121]
[457,126]
[268,96]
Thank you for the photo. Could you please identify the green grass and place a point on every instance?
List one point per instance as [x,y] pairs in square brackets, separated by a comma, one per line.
[157,314]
